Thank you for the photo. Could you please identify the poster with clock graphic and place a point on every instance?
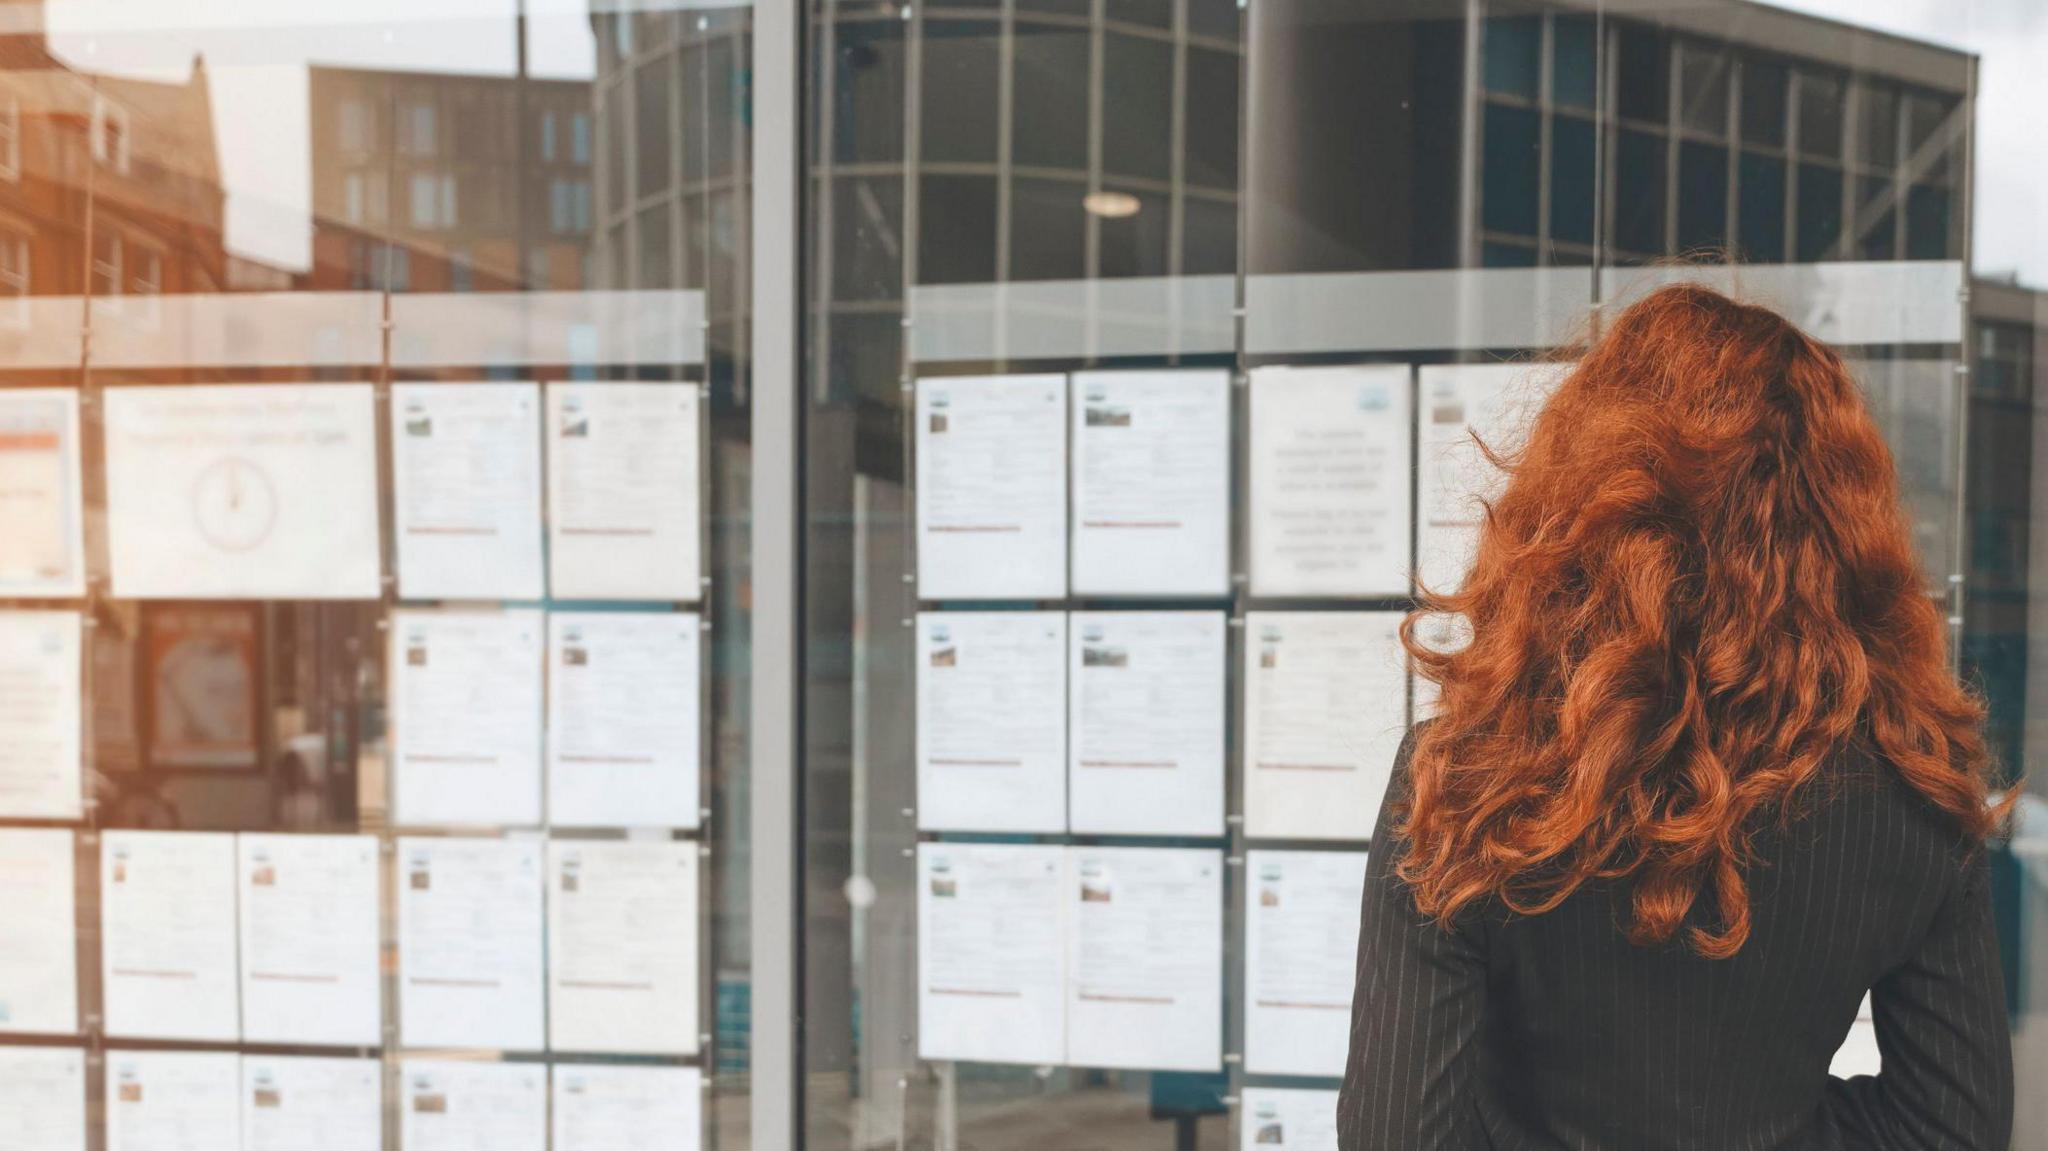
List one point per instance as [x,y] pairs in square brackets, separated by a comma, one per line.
[256,491]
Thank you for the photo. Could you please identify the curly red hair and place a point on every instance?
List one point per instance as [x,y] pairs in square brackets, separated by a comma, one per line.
[1696,589]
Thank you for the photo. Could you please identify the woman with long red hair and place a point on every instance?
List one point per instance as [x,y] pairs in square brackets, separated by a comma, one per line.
[1700,779]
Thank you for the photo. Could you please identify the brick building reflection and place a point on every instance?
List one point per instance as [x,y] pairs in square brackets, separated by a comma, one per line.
[434,182]
[126,167]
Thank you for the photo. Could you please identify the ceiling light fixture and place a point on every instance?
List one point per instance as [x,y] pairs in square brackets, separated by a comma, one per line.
[1111,205]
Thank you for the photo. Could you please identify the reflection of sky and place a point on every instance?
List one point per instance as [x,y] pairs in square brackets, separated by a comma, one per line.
[256,51]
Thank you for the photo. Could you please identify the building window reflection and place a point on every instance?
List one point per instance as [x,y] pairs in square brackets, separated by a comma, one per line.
[417,129]
[106,263]
[15,280]
[10,138]
[1713,173]
[110,134]
[148,274]
[355,131]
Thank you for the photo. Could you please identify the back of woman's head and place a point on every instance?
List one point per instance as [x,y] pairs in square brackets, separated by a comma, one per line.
[1696,591]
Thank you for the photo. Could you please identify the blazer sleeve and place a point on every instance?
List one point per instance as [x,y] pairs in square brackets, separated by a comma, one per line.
[1415,1014]
[1944,1039]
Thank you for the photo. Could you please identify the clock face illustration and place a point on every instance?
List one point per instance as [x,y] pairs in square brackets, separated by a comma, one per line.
[234,504]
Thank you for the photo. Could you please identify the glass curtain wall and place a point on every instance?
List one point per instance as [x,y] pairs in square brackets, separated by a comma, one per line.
[374,499]
[376,462]
[1139,341]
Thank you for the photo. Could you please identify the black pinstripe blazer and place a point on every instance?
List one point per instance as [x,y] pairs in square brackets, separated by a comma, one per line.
[1553,1031]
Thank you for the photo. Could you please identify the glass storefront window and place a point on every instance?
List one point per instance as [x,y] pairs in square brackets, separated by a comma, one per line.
[1400,213]
[373,589]
[386,627]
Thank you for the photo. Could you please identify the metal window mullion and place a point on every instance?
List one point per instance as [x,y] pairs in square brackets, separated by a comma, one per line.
[1901,162]
[819,167]
[1006,134]
[738,181]
[1731,142]
[678,239]
[1091,236]
[1963,182]
[1468,176]
[1603,156]
[1176,161]
[1233,890]
[1847,238]
[776,899]
[628,91]
[912,169]
[1794,85]
[1545,145]
[1674,113]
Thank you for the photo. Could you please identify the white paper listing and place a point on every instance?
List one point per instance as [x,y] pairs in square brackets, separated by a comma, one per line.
[41,714]
[39,932]
[1152,483]
[991,957]
[1145,751]
[992,487]
[1494,401]
[1325,708]
[309,920]
[1301,957]
[992,721]
[624,501]
[622,946]
[300,1103]
[42,1097]
[258,491]
[469,943]
[463,1106]
[466,710]
[623,733]
[466,474]
[173,1100]
[1145,958]
[603,1108]
[1288,1119]
[167,935]
[42,512]
[1330,481]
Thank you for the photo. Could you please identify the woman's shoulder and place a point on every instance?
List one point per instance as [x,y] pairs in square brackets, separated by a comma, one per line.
[1862,799]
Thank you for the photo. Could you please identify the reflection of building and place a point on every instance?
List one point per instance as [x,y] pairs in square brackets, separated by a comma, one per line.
[1027,146]
[672,209]
[672,164]
[1673,129]
[140,153]
[1786,139]
[2011,324]
[459,173]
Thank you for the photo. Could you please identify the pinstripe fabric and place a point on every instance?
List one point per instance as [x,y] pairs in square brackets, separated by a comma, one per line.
[1554,1031]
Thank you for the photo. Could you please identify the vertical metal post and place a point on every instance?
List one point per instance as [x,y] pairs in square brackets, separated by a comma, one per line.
[777,789]
[520,129]
[1468,141]
[1959,545]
